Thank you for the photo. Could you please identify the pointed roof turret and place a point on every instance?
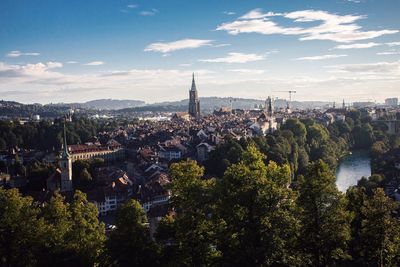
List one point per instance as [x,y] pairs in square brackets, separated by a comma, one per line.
[65,154]
[193,88]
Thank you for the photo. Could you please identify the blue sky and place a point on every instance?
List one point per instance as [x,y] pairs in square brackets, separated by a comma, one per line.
[73,51]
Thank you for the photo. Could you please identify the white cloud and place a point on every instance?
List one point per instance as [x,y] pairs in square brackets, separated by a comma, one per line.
[72,62]
[29,72]
[38,83]
[221,45]
[315,58]
[151,12]
[378,68]
[129,8]
[53,65]
[393,44]
[31,67]
[262,26]
[247,71]
[230,13]
[388,53]
[17,53]
[357,46]
[332,27]
[177,45]
[43,83]
[257,14]
[94,63]
[235,58]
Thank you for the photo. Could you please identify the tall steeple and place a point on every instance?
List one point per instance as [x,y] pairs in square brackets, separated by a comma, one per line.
[65,164]
[65,154]
[193,88]
[194,103]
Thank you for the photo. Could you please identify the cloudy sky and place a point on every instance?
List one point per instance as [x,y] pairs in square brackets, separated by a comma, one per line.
[74,51]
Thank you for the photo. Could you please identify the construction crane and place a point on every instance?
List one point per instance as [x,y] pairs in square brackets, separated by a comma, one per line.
[290,95]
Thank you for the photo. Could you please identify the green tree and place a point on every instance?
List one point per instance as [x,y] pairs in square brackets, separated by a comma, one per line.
[130,243]
[380,231]
[326,223]
[303,160]
[166,236]
[363,136]
[84,180]
[37,177]
[256,214]
[225,155]
[378,148]
[56,251]
[371,183]
[193,228]
[356,197]
[87,235]
[21,229]
[297,128]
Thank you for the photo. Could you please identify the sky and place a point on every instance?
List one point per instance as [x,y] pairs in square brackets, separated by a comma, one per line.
[54,51]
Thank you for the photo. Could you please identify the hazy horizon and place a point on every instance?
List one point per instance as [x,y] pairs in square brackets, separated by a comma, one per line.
[338,103]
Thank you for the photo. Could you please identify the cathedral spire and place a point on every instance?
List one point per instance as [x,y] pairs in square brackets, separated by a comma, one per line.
[65,153]
[194,103]
[193,83]
[65,164]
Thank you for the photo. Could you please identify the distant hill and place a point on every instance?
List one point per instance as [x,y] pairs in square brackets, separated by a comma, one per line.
[14,109]
[109,104]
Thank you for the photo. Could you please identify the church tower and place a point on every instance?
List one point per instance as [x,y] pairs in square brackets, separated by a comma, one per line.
[65,165]
[269,107]
[194,103]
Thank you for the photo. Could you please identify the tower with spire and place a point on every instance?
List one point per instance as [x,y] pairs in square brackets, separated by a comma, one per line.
[65,165]
[269,107]
[194,103]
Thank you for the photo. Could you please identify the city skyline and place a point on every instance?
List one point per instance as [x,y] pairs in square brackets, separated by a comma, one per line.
[148,50]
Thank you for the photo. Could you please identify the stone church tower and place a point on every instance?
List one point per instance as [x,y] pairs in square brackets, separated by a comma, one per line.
[269,107]
[194,103]
[65,165]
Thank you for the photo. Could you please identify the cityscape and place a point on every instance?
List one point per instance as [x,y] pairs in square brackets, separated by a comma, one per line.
[249,133]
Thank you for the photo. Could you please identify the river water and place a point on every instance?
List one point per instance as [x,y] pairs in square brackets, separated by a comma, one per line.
[351,168]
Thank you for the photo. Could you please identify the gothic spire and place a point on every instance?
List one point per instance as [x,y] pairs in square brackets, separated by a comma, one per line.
[193,83]
[65,153]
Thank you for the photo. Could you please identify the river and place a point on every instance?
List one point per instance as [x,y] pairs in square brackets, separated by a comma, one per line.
[351,168]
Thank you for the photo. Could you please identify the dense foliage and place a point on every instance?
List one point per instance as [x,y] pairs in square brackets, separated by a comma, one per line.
[251,216]
[47,135]
[299,142]
[57,234]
